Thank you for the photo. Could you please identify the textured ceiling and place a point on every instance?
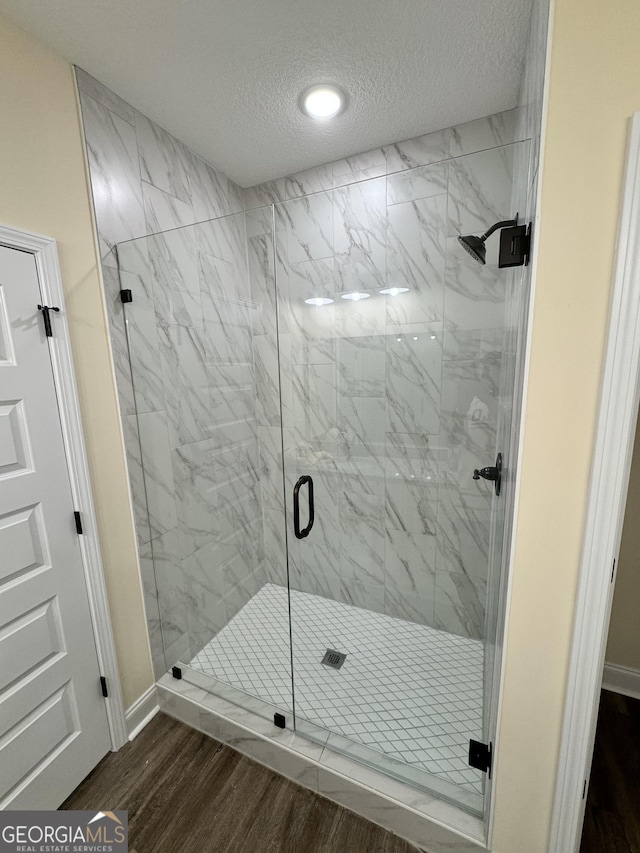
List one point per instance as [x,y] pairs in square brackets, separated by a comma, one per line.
[224,77]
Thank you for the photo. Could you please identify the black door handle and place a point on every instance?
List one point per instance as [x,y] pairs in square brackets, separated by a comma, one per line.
[493,473]
[300,534]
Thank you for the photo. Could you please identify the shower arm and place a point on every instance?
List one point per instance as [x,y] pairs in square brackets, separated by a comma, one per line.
[503,224]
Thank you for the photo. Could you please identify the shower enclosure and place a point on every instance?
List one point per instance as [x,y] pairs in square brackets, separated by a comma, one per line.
[315,382]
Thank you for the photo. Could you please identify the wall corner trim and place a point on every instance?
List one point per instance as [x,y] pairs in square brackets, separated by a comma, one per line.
[142,711]
[611,466]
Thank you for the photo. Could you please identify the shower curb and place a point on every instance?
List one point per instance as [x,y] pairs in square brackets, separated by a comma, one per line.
[420,818]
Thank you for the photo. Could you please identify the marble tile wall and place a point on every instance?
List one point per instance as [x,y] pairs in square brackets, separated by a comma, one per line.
[187,393]
[390,402]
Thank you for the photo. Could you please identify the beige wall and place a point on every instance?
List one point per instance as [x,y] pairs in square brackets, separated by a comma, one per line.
[623,647]
[594,87]
[43,188]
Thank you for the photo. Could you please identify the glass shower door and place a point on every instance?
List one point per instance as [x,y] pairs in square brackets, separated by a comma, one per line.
[201,424]
[391,344]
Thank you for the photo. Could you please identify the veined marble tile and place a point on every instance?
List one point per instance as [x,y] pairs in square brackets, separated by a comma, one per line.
[370,164]
[310,181]
[464,344]
[163,211]
[474,294]
[490,132]
[469,405]
[410,561]
[146,368]
[361,420]
[221,279]
[480,191]
[364,594]
[411,608]
[212,193]
[227,326]
[270,448]
[271,192]
[173,262]
[262,285]
[416,260]
[464,529]
[460,605]
[88,85]
[314,401]
[183,358]
[360,235]
[309,228]
[158,474]
[362,548]
[206,480]
[421,182]
[365,317]
[267,380]
[361,366]
[136,478]
[413,380]
[112,151]
[419,151]
[163,160]
[411,505]
[312,327]
[224,238]
[172,592]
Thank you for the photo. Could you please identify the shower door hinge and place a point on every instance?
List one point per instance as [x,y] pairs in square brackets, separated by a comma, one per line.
[515,246]
[126,295]
[78,520]
[103,686]
[481,756]
[176,672]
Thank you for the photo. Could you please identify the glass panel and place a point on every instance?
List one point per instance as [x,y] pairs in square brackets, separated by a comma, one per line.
[392,343]
[201,331]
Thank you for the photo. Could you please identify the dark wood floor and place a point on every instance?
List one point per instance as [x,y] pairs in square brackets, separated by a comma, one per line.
[187,792]
[612,818]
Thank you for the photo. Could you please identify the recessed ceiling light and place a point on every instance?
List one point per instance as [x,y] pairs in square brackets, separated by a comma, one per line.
[356,296]
[394,291]
[324,101]
[319,300]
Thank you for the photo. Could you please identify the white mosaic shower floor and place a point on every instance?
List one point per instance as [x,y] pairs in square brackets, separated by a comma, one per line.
[411,692]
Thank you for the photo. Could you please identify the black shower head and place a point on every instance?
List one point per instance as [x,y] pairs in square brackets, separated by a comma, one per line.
[475,246]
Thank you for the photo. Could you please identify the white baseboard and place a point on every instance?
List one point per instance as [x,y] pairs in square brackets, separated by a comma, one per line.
[621,679]
[142,712]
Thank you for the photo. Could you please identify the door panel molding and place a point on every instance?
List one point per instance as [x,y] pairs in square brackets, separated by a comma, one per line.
[45,253]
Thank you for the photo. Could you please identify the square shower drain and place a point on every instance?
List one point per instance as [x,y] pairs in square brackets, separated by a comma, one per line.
[333,658]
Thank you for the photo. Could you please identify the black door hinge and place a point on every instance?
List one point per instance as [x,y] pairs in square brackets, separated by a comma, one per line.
[176,672]
[47,319]
[481,756]
[126,296]
[280,721]
[78,520]
[515,246]
[103,685]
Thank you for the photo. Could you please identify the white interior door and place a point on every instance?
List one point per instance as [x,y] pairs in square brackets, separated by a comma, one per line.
[53,722]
